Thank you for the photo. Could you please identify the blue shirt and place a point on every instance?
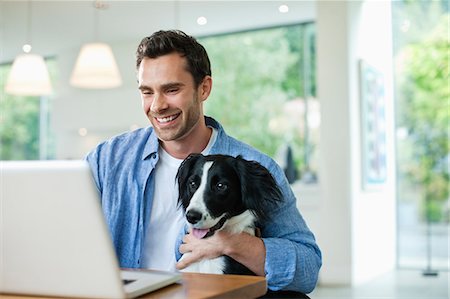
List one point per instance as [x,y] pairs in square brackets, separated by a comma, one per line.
[123,169]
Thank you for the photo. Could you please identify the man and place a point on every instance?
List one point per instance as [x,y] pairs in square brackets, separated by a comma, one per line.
[135,173]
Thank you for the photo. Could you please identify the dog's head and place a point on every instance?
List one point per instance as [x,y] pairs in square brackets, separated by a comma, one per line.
[215,188]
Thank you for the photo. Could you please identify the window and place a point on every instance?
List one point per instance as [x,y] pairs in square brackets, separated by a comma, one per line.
[264,93]
[422,98]
[24,123]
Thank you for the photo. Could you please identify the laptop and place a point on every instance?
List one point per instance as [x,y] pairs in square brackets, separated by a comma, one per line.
[53,237]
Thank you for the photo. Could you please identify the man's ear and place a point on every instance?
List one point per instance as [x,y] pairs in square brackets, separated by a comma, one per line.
[205,88]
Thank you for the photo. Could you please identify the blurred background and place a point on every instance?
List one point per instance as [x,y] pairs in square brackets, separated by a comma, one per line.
[350,97]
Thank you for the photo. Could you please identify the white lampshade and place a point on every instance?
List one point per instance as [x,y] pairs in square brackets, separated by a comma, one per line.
[96,68]
[29,76]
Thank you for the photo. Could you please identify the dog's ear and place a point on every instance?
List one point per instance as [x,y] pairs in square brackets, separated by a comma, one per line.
[259,189]
[182,176]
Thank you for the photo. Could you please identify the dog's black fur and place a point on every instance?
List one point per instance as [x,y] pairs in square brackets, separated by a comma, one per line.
[232,194]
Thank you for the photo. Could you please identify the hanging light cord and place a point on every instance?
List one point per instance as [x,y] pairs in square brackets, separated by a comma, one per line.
[98,5]
[27,46]
[177,14]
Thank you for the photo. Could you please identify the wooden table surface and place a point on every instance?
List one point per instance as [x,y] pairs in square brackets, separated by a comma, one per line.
[197,286]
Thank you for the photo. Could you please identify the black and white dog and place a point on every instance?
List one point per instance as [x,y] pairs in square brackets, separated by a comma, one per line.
[219,192]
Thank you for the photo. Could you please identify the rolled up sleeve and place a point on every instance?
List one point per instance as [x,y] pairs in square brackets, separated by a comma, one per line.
[291,266]
[293,258]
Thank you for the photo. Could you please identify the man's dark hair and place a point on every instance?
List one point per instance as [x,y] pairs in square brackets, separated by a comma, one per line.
[166,42]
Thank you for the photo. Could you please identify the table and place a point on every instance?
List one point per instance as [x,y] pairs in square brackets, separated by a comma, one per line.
[196,285]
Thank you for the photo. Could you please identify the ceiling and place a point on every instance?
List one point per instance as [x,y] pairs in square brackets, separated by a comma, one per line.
[59,25]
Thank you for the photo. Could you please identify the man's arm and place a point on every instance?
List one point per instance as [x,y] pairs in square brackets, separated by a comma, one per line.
[289,257]
[244,248]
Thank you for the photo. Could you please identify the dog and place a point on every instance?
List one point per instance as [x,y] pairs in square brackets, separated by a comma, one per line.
[220,192]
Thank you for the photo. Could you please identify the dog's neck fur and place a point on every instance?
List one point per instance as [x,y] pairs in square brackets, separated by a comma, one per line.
[244,222]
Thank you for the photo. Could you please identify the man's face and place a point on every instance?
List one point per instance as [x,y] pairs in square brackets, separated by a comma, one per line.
[170,99]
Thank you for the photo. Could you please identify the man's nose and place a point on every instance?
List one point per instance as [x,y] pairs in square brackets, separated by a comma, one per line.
[159,104]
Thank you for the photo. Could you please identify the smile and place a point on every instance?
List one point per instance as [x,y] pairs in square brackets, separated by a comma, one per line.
[167,119]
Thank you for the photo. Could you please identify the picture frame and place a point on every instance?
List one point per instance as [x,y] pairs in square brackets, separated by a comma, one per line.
[373,126]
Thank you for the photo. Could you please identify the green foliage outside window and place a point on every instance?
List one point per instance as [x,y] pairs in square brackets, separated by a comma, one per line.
[426,116]
[255,75]
[422,44]
[20,122]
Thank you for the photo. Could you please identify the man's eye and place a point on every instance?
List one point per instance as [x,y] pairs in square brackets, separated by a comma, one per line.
[173,90]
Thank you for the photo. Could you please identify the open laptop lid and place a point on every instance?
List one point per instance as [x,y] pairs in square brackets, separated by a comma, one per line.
[54,240]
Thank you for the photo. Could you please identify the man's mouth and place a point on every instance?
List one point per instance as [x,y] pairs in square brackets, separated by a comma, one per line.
[201,233]
[167,119]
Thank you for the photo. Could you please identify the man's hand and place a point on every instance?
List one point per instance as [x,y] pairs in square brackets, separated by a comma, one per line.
[200,249]
[244,248]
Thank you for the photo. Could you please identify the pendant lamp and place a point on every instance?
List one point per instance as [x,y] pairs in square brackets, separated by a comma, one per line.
[29,75]
[95,67]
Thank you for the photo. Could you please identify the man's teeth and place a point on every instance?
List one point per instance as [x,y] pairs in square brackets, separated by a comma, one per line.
[166,119]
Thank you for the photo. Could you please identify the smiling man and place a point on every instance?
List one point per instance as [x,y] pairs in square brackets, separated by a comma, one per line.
[135,174]
[173,102]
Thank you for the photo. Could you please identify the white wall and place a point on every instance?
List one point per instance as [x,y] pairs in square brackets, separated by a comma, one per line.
[374,213]
[104,113]
[355,228]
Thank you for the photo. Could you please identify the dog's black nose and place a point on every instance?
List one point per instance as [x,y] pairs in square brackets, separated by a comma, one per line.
[193,216]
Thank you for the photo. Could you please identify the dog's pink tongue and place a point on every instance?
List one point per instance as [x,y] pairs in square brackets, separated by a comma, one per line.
[199,233]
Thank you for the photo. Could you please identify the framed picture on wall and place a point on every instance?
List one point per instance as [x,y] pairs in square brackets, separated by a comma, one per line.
[373,126]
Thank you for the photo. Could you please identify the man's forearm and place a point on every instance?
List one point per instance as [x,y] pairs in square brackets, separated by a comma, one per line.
[247,250]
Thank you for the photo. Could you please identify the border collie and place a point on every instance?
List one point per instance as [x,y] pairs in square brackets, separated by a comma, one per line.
[219,192]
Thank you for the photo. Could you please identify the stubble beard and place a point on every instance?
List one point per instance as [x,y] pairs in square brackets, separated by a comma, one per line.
[190,119]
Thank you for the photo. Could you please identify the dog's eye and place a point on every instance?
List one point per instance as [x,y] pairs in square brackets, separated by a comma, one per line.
[192,184]
[221,186]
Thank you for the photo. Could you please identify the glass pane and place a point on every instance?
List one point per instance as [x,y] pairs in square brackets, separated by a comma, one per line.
[264,93]
[24,129]
[422,94]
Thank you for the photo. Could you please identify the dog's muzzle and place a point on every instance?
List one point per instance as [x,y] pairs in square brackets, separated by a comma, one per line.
[195,217]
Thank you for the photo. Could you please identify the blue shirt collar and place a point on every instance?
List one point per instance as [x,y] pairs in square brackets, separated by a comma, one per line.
[152,144]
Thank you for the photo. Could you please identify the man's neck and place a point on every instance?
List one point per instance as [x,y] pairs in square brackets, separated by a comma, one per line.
[195,142]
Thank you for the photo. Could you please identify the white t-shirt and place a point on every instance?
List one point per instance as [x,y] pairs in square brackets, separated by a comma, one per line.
[166,219]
